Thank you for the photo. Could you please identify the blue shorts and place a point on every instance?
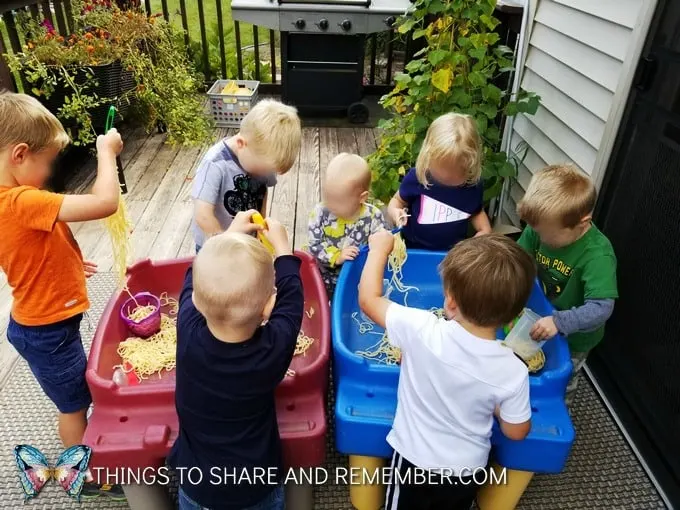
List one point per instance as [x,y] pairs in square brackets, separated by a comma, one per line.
[57,359]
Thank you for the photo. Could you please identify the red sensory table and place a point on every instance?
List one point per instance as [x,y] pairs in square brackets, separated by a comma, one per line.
[133,427]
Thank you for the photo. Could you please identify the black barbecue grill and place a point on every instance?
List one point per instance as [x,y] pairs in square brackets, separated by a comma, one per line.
[322,47]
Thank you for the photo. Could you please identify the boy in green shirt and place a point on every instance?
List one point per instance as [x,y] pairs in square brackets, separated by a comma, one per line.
[576,262]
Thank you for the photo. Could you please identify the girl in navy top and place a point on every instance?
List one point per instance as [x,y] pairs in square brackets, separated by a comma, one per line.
[444,192]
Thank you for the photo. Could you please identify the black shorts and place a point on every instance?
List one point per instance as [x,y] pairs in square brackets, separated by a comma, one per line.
[411,490]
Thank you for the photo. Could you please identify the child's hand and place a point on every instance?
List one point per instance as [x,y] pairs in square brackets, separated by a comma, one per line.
[543,329]
[277,235]
[110,143]
[381,242]
[348,253]
[90,268]
[243,223]
[400,217]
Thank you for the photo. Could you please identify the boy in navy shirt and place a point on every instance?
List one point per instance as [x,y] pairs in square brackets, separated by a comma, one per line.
[438,197]
[238,322]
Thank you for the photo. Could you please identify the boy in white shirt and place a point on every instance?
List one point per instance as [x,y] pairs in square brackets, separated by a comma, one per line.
[454,376]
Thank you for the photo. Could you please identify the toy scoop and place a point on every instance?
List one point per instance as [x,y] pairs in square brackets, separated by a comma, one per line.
[259,220]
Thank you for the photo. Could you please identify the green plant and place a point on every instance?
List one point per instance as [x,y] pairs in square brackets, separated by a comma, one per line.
[215,59]
[455,71]
[164,88]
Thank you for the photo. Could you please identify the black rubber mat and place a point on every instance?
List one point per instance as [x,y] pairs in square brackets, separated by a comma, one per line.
[602,473]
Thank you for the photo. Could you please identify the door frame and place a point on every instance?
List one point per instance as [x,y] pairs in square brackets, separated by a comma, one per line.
[629,423]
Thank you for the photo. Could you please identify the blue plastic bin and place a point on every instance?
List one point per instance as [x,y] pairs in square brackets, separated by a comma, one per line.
[366,390]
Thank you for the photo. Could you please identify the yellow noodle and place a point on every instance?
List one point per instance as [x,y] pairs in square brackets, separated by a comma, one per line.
[139,313]
[304,342]
[395,263]
[535,362]
[119,226]
[383,351]
[151,355]
[169,302]
[310,312]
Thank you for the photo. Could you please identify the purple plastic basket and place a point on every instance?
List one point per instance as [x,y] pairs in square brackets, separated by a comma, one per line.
[148,326]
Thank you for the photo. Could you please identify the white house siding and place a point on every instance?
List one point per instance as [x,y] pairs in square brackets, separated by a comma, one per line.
[580,58]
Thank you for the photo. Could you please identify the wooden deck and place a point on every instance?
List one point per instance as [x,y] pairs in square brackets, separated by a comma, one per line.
[159,179]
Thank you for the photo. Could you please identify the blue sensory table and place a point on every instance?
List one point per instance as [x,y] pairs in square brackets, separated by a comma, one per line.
[366,390]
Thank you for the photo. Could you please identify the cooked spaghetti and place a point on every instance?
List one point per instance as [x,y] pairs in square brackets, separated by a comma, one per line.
[150,355]
[395,263]
[383,351]
[119,227]
[304,342]
[536,362]
[169,302]
[139,313]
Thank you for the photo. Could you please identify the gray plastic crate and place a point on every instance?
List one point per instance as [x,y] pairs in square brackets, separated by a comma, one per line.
[228,110]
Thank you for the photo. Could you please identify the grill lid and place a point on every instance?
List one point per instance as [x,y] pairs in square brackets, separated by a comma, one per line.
[360,3]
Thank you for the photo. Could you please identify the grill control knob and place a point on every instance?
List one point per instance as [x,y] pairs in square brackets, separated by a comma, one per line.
[390,20]
[346,25]
[323,24]
[299,24]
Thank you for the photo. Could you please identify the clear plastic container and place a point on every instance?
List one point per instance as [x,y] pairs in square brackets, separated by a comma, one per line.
[519,339]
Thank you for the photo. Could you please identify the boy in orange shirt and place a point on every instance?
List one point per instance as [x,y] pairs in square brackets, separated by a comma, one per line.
[41,258]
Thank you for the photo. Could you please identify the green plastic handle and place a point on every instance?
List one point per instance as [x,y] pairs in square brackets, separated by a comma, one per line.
[110,118]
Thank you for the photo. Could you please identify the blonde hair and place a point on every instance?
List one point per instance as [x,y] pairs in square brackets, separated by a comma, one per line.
[274,131]
[490,277]
[453,140]
[349,167]
[558,192]
[233,279]
[25,120]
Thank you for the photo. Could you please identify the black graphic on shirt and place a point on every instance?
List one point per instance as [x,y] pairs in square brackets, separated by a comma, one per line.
[248,193]
[552,287]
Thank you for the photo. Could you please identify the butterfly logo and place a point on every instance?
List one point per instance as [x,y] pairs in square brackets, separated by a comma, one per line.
[35,471]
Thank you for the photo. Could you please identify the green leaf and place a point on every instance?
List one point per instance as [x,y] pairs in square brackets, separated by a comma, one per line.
[464,42]
[482,124]
[489,110]
[511,109]
[414,65]
[492,93]
[477,79]
[442,79]
[533,104]
[406,26]
[492,135]
[507,169]
[461,98]
[402,78]
[478,53]
[417,34]
[436,56]
[503,50]
[489,21]
[436,7]
[420,123]
[493,191]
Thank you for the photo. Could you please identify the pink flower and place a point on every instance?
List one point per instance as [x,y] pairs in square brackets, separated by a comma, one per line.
[48,25]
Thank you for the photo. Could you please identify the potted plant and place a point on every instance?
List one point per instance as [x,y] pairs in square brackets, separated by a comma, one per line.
[455,71]
[113,56]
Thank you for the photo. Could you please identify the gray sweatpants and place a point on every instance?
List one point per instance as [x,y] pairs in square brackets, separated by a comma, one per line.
[578,359]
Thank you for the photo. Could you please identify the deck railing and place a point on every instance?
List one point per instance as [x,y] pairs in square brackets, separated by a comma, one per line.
[218,46]
[221,47]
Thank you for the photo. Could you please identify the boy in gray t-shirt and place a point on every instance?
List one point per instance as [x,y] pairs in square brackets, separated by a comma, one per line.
[235,173]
